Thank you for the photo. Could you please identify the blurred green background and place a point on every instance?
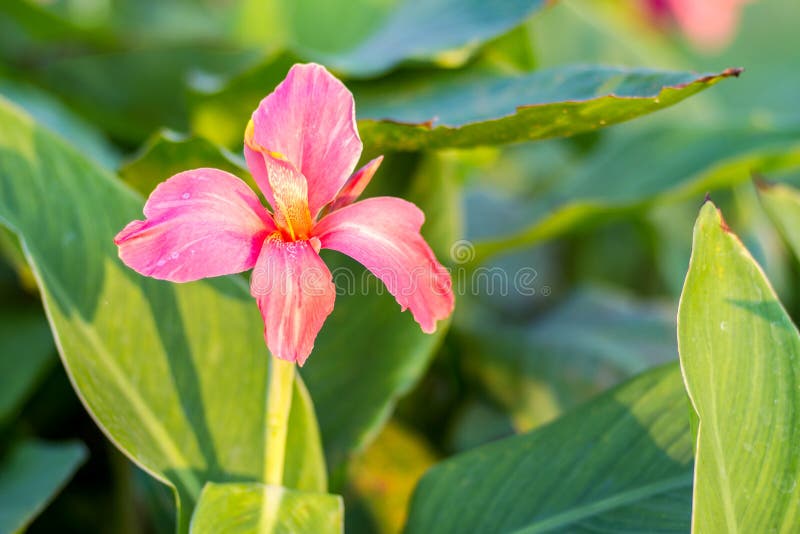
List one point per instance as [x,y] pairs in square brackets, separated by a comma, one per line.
[148,88]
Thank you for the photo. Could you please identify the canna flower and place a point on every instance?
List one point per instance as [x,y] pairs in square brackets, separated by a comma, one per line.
[301,146]
[709,24]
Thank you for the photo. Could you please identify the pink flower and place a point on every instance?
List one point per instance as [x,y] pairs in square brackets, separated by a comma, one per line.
[301,146]
[709,24]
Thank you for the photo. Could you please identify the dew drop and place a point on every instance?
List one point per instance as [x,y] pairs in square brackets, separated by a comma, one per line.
[160,263]
[185,196]
[175,255]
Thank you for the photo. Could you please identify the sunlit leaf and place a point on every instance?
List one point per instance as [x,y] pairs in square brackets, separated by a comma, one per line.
[740,355]
[246,508]
[175,375]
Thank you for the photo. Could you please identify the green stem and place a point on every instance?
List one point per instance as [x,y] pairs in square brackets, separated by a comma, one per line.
[279,404]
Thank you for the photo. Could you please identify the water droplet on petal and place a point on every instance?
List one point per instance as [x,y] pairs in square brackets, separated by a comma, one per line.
[186,196]
[175,255]
[160,263]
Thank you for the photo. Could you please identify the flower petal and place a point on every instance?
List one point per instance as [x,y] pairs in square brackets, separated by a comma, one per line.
[356,184]
[382,233]
[258,168]
[295,294]
[200,223]
[310,120]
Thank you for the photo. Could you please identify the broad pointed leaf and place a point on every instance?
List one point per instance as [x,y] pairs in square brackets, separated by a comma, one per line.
[175,375]
[474,108]
[420,110]
[740,355]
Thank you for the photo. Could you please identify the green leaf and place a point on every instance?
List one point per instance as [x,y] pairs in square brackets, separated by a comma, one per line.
[417,110]
[473,108]
[611,184]
[368,353]
[26,353]
[31,475]
[601,336]
[246,508]
[412,30]
[620,463]
[167,153]
[175,374]
[782,203]
[740,355]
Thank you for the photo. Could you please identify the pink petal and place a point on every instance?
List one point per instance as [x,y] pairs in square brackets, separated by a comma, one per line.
[200,223]
[310,120]
[382,233]
[356,184]
[295,294]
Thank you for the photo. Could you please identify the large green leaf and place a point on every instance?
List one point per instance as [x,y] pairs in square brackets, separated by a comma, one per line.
[601,336]
[473,108]
[416,110]
[740,355]
[30,476]
[175,375]
[611,184]
[247,508]
[26,352]
[622,463]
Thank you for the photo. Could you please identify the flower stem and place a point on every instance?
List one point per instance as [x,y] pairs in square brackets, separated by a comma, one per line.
[279,404]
